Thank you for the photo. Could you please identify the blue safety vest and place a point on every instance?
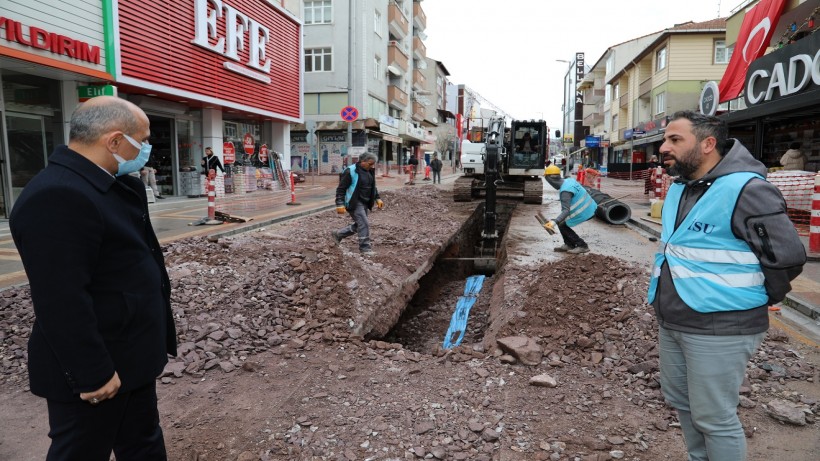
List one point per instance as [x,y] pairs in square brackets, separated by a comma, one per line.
[581,207]
[354,179]
[712,270]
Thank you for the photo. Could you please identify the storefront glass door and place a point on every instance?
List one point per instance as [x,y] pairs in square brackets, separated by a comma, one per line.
[162,153]
[27,149]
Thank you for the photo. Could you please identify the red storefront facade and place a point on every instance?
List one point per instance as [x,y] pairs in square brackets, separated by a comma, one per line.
[208,72]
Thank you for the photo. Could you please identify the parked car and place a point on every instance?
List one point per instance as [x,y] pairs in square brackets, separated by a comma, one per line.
[298,176]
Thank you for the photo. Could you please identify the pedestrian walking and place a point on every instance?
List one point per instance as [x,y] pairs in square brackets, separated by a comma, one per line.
[577,206]
[648,186]
[412,167]
[435,166]
[356,195]
[210,162]
[103,324]
[148,175]
[728,251]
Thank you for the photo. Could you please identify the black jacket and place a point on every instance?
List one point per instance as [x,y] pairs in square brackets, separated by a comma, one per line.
[435,164]
[98,282]
[346,180]
[211,163]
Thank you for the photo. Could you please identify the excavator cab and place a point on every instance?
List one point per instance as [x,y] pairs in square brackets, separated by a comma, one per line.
[528,147]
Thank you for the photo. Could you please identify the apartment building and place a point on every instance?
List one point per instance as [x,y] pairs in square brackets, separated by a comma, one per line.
[666,75]
[368,55]
[439,122]
[597,96]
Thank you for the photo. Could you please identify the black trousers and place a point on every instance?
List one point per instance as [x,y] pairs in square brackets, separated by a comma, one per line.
[128,425]
[570,237]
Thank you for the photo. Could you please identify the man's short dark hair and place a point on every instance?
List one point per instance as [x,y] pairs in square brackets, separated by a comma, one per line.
[795,145]
[704,126]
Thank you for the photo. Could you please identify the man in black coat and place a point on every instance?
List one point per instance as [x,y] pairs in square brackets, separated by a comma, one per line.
[356,195]
[103,324]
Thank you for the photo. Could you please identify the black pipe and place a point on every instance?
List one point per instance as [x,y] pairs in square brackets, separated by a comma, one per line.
[612,211]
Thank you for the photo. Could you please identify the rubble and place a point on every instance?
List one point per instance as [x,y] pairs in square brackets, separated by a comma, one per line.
[286,351]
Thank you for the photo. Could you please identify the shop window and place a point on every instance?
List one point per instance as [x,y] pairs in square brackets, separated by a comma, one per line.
[318,60]
[660,59]
[722,53]
[318,12]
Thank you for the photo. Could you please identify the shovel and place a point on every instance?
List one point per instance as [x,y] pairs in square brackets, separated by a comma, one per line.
[542,220]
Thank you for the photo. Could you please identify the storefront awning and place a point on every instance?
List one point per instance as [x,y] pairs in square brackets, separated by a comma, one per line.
[648,139]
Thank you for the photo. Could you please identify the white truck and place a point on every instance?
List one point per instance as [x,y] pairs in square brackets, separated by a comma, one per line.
[472,157]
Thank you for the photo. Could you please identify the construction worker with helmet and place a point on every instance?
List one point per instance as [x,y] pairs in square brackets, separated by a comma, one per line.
[577,206]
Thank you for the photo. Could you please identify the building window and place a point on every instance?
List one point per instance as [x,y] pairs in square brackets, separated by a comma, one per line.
[722,53]
[610,64]
[318,60]
[377,23]
[608,94]
[318,12]
[616,91]
[660,103]
[660,59]
[615,123]
[377,69]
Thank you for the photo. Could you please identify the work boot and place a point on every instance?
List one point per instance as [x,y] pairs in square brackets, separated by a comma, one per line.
[578,250]
[335,237]
[563,248]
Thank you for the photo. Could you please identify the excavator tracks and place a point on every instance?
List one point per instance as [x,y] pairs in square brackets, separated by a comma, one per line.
[533,191]
[463,189]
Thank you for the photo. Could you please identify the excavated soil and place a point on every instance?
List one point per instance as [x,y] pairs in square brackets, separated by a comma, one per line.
[295,348]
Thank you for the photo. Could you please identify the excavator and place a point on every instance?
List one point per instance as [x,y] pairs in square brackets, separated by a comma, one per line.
[518,162]
[513,163]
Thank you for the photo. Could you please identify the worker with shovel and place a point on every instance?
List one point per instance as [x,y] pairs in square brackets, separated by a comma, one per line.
[577,206]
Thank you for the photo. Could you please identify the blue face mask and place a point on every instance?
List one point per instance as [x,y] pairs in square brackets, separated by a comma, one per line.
[130,166]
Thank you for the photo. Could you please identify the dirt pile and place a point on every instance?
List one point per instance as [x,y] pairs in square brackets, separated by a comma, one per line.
[276,360]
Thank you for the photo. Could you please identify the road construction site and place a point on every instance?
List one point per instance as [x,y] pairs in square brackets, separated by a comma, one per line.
[292,347]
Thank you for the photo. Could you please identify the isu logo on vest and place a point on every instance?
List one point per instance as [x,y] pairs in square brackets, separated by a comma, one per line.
[698,226]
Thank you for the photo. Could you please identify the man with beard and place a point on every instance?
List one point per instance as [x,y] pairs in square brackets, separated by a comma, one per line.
[727,252]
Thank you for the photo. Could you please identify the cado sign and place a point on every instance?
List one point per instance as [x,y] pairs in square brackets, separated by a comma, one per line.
[790,70]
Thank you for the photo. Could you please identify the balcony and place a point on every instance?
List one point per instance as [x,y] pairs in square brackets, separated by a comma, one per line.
[593,119]
[396,98]
[396,56]
[419,50]
[419,18]
[418,111]
[592,96]
[397,22]
[645,87]
[620,135]
[624,101]
[419,80]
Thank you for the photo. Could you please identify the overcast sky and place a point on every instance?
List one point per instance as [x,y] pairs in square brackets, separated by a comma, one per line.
[507,50]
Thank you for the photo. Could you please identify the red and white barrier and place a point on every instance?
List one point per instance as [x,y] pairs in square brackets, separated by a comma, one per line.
[814,222]
[211,195]
[658,175]
[293,191]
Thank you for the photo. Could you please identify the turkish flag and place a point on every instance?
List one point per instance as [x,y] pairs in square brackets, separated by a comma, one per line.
[459,127]
[752,40]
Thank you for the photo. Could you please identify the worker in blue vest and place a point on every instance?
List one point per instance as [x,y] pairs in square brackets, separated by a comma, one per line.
[728,251]
[356,196]
[577,206]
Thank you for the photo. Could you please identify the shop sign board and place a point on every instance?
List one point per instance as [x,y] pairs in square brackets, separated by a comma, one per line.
[228,153]
[85,93]
[791,70]
[239,54]
[248,143]
[67,41]
[263,153]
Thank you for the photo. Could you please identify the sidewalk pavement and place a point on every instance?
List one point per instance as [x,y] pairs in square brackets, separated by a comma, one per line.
[801,306]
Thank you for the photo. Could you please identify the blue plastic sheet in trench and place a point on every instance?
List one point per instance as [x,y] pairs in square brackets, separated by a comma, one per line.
[458,323]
